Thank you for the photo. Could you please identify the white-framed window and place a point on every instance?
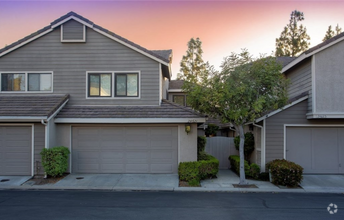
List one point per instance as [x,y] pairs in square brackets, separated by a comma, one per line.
[26,81]
[113,84]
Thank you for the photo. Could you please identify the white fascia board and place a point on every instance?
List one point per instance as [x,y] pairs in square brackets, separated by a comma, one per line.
[303,56]
[325,115]
[25,42]
[175,90]
[130,46]
[21,119]
[129,120]
[281,109]
[74,18]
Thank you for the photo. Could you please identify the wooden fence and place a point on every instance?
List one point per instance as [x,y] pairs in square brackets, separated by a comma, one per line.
[221,148]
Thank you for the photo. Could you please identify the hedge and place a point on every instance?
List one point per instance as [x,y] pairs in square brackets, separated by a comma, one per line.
[55,160]
[285,173]
[252,170]
[193,172]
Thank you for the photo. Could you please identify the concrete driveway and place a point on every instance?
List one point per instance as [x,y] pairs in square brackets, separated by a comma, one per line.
[13,180]
[323,183]
[120,181]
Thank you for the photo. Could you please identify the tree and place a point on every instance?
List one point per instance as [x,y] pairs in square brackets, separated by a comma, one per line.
[331,33]
[192,64]
[294,38]
[244,90]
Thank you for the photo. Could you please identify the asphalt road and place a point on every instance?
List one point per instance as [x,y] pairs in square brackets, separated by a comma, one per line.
[166,205]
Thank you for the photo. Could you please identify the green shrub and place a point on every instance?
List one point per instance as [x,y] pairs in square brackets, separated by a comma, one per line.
[202,156]
[211,130]
[252,170]
[208,167]
[201,141]
[285,173]
[55,160]
[193,172]
[248,144]
[189,172]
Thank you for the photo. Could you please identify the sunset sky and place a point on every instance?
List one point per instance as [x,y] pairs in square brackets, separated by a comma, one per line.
[223,26]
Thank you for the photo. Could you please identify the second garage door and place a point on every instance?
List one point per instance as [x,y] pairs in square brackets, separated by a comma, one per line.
[316,149]
[125,149]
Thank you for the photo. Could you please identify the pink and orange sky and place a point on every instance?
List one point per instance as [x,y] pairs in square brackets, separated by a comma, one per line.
[223,26]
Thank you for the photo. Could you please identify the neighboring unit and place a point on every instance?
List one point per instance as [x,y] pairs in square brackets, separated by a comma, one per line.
[76,84]
[310,129]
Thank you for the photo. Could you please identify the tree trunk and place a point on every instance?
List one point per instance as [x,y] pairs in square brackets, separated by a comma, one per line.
[240,128]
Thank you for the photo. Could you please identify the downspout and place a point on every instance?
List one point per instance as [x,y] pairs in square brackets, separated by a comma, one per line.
[46,131]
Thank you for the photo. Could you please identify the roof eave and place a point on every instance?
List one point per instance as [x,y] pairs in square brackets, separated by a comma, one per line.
[129,120]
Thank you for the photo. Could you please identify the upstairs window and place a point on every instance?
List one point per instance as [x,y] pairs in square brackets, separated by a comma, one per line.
[26,82]
[179,99]
[99,84]
[126,85]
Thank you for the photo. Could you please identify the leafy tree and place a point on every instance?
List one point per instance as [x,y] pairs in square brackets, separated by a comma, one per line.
[294,38]
[244,90]
[331,33]
[192,64]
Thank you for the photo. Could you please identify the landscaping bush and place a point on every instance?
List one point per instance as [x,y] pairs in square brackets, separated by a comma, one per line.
[211,130]
[201,141]
[248,145]
[55,160]
[193,172]
[252,170]
[285,173]
[189,172]
[208,167]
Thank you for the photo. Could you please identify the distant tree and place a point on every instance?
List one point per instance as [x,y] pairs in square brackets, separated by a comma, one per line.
[192,64]
[294,38]
[245,89]
[331,33]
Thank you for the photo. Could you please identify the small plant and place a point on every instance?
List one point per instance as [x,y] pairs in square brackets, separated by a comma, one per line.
[285,173]
[252,170]
[201,142]
[55,160]
[211,130]
[248,145]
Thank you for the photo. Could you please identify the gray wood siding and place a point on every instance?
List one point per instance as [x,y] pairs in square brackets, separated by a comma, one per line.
[70,61]
[73,30]
[296,114]
[39,143]
[301,81]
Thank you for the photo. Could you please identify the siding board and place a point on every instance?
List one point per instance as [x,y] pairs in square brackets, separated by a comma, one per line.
[70,61]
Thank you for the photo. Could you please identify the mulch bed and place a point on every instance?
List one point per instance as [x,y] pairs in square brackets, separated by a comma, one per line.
[39,180]
[185,184]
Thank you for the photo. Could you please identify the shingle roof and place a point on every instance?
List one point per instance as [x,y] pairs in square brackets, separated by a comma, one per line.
[30,105]
[165,110]
[166,54]
[160,55]
[176,84]
[285,60]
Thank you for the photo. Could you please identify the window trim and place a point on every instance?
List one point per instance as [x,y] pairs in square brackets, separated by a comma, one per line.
[76,40]
[26,73]
[113,85]
[88,88]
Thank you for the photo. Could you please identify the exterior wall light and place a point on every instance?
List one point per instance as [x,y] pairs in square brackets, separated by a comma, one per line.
[187,128]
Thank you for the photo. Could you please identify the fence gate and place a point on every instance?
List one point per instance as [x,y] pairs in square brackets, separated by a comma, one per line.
[221,148]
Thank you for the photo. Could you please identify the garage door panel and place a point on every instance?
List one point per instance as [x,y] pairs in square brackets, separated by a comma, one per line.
[161,168]
[15,150]
[136,168]
[316,149]
[128,149]
[299,146]
[325,149]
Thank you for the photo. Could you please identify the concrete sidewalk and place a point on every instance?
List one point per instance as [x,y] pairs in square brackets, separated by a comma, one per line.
[169,182]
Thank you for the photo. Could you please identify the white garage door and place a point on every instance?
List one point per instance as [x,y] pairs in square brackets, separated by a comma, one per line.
[15,150]
[316,149]
[125,149]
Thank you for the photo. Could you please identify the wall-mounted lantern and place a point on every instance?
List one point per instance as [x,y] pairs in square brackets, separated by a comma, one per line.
[187,128]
